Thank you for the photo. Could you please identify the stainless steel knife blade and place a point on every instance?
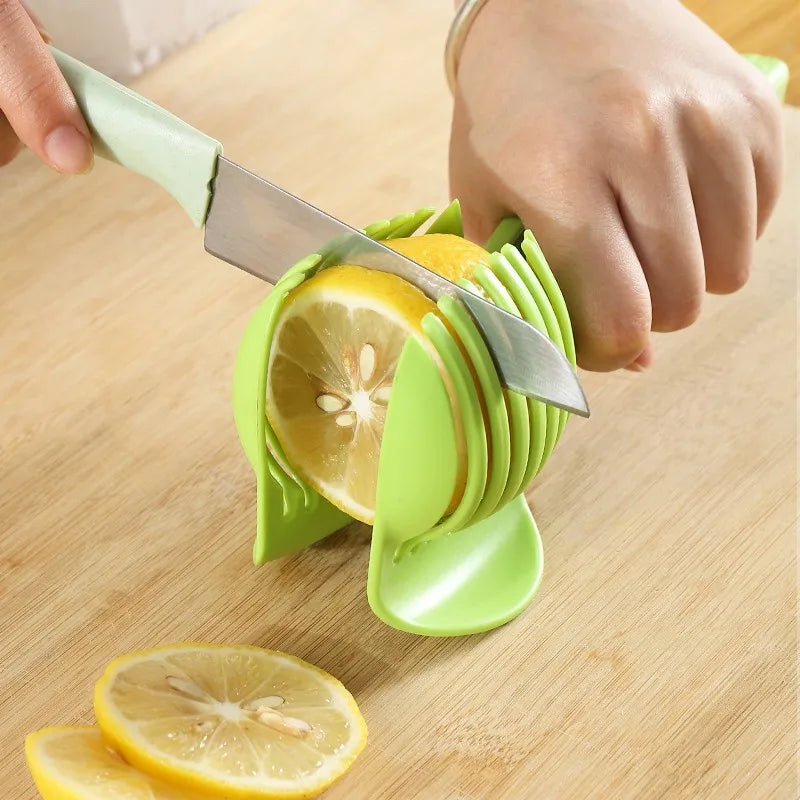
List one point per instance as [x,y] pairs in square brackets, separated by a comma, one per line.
[263,230]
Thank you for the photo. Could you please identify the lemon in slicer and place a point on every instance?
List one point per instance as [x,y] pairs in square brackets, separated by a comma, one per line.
[454,547]
[451,432]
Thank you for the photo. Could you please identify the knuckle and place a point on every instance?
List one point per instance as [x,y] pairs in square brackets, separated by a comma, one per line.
[633,115]
[761,112]
[33,90]
[617,339]
[627,334]
[729,280]
[705,119]
[763,102]
[681,312]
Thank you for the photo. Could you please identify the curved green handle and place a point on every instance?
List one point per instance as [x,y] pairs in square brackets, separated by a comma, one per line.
[129,129]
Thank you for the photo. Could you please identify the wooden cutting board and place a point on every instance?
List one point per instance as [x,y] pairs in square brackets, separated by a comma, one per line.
[658,659]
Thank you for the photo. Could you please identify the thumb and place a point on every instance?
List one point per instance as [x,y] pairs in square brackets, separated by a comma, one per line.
[35,97]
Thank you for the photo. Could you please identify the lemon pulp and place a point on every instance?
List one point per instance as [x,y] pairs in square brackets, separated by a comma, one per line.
[234,721]
[76,764]
[331,366]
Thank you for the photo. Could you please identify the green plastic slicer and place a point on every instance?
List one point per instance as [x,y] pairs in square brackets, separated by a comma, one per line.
[432,574]
[430,571]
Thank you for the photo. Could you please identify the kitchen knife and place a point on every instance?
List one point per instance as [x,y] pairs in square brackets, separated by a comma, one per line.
[258,227]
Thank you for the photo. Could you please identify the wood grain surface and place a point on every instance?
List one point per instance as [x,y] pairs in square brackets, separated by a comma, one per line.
[659,657]
[770,27]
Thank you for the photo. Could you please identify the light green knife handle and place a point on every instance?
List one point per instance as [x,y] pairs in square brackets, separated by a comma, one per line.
[129,129]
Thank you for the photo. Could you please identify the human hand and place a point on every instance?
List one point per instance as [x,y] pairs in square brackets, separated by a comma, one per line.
[37,108]
[642,151]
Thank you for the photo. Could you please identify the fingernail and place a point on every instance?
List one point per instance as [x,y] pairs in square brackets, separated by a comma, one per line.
[636,367]
[68,150]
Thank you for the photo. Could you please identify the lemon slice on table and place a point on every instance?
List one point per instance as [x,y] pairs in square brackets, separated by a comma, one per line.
[232,721]
[332,362]
[76,764]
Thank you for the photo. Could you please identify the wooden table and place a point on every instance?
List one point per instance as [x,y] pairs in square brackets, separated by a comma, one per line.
[658,660]
[758,26]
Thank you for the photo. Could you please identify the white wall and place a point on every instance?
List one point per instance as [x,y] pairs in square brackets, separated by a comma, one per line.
[124,37]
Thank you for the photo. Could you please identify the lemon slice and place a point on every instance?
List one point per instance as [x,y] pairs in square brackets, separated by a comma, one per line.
[332,362]
[233,721]
[76,764]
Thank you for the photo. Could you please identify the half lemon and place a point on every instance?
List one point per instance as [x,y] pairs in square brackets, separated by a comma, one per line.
[332,362]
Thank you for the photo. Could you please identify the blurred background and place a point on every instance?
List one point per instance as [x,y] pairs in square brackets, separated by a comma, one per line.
[125,37]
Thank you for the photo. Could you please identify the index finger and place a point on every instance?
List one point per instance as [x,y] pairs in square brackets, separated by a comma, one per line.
[35,97]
